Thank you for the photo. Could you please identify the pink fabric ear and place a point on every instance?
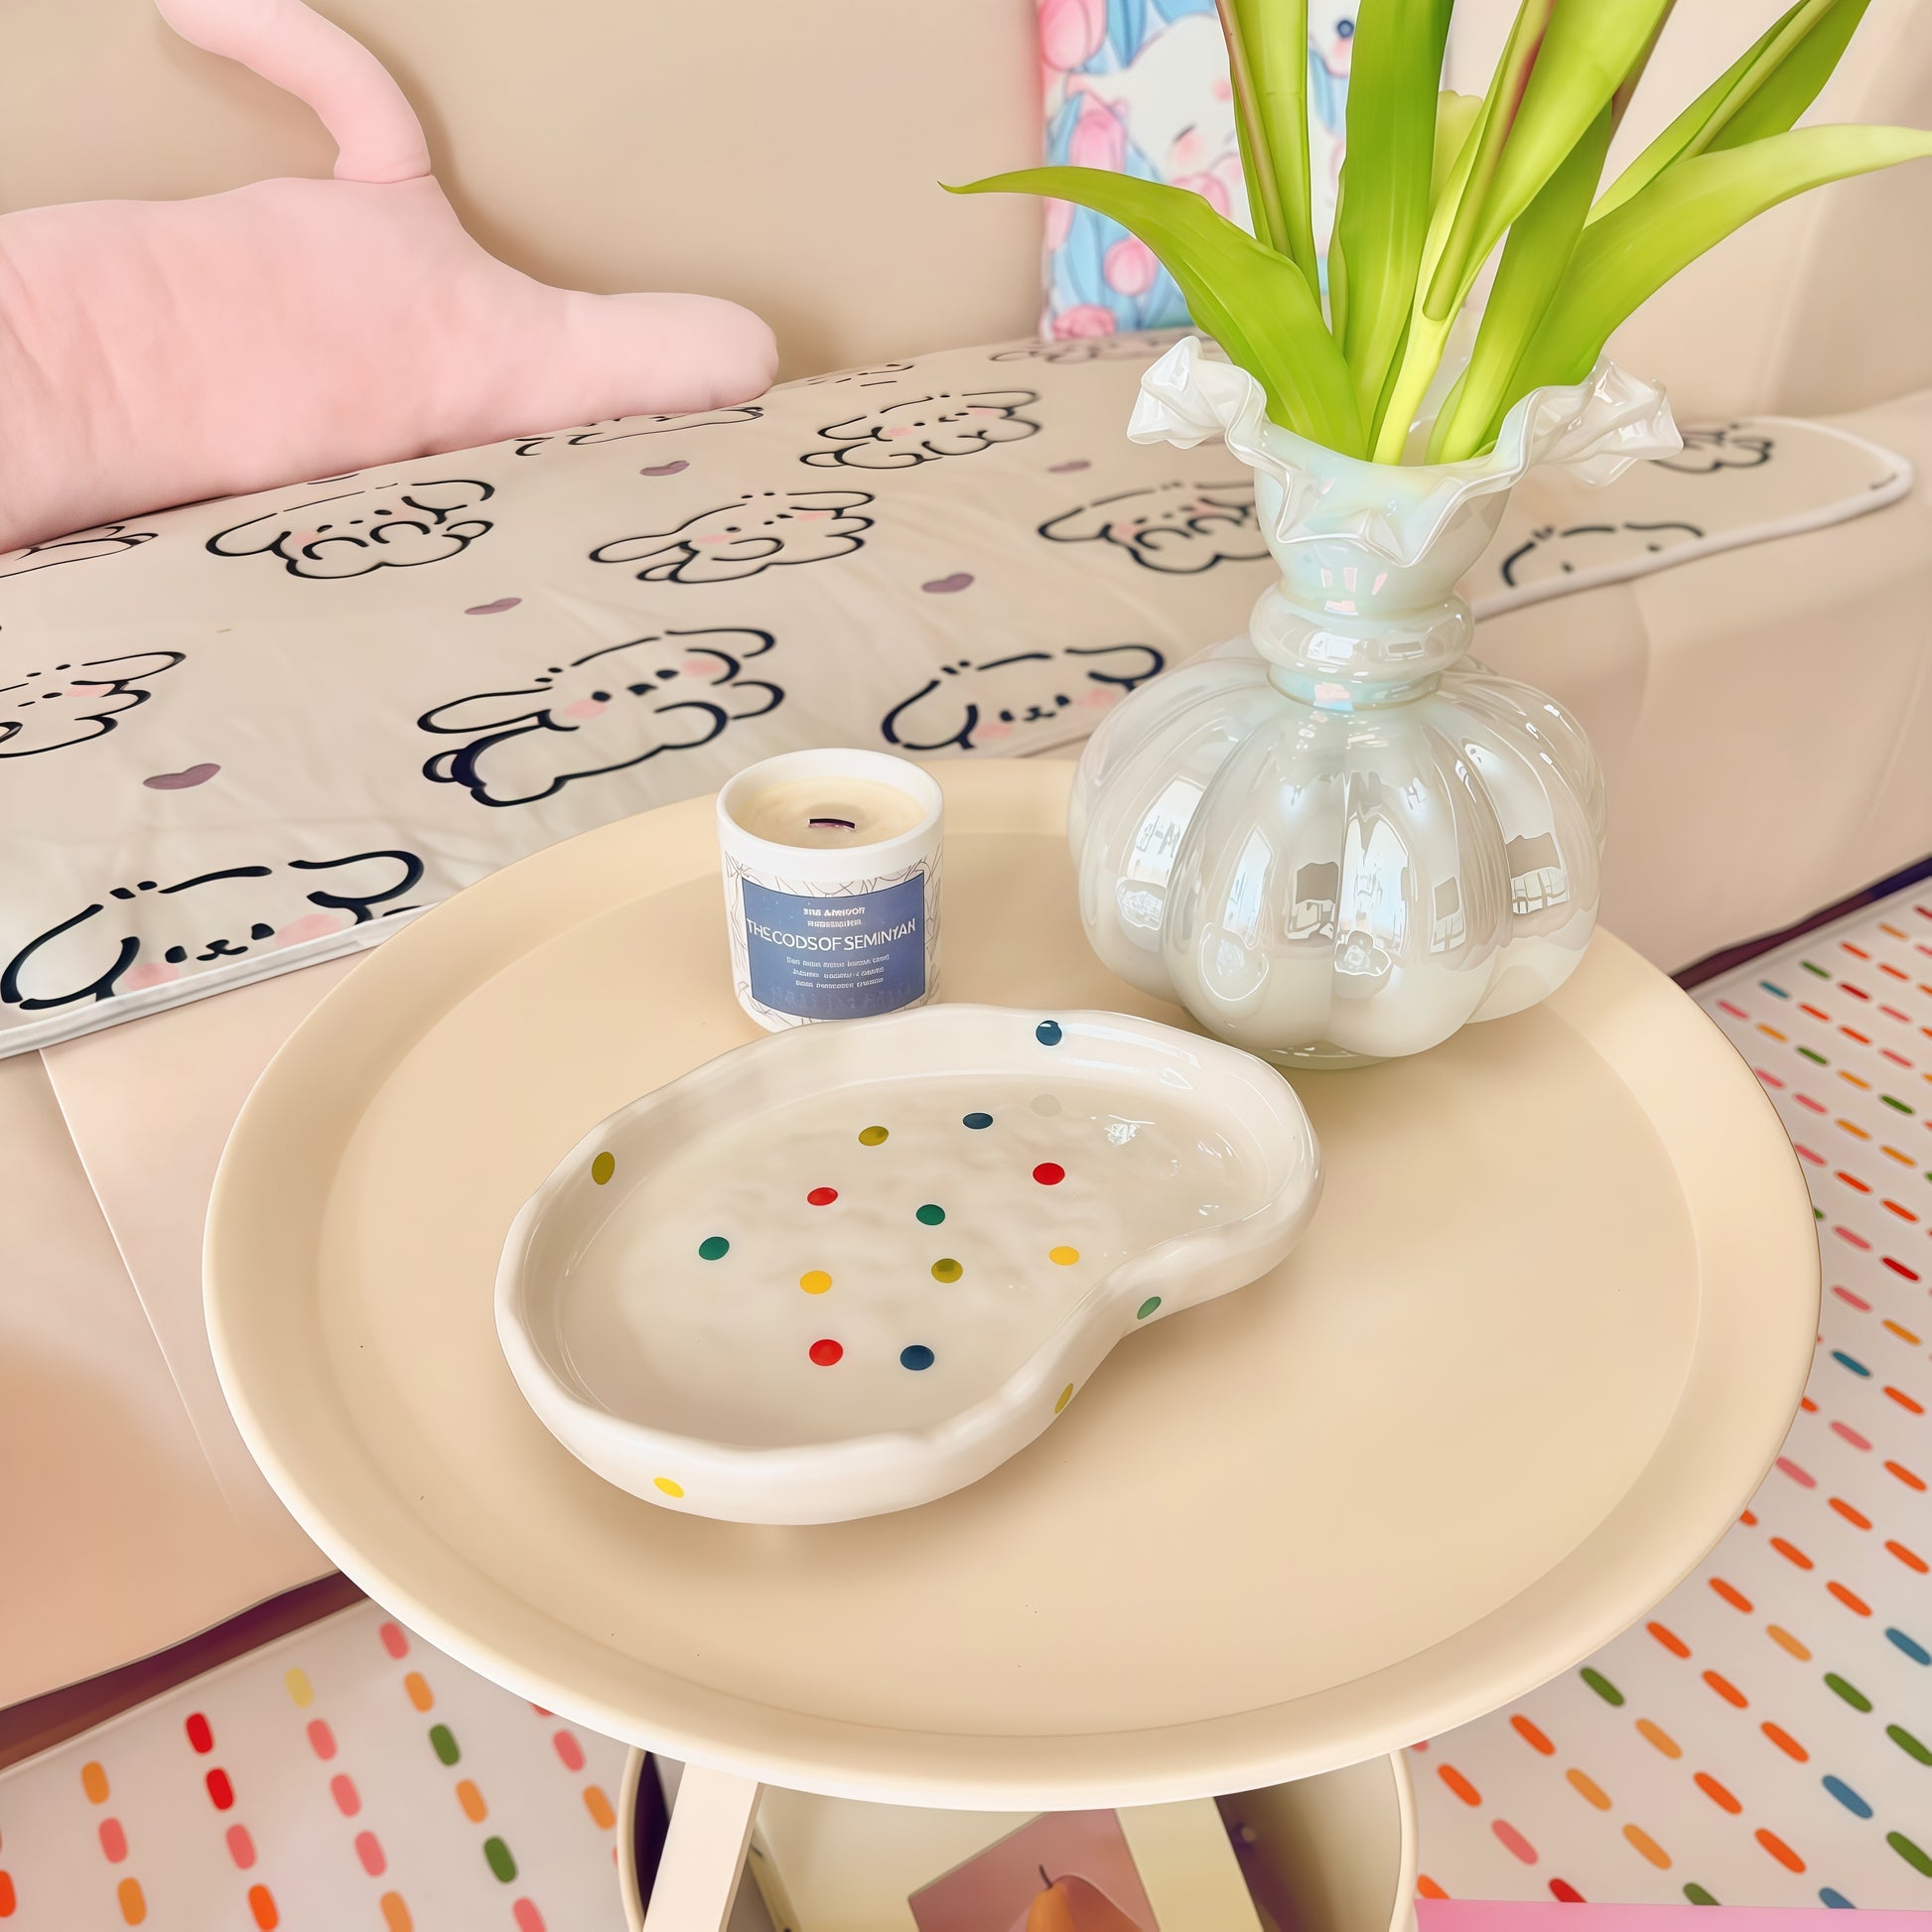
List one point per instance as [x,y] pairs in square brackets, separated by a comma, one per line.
[157,352]
[355,97]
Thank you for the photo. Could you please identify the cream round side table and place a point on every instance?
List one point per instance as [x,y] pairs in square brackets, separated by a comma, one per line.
[1538,1346]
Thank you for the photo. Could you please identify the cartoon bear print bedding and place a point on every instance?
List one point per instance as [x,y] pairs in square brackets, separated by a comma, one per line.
[239,737]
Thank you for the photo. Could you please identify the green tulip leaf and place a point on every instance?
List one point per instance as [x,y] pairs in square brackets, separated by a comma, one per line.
[1255,303]
[1560,86]
[1761,92]
[1537,254]
[1631,253]
[1382,214]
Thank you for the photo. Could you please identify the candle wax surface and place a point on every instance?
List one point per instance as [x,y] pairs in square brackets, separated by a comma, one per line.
[828,812]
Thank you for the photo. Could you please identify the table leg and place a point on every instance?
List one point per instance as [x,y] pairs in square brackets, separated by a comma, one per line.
[704,1854]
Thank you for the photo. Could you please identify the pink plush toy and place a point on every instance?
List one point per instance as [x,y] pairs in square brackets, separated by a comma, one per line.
[156,353]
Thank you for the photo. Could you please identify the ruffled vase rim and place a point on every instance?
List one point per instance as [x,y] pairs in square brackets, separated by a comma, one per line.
[1596,429]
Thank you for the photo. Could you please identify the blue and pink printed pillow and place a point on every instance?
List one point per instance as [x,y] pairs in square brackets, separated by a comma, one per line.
[1141,87]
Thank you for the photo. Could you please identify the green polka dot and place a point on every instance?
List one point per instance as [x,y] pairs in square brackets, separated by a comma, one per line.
[442,1740]
[713,1247]
[497,1855]
[1147,1308]
[871,1136]
[931,1215]
[604,1166]
[946,1270]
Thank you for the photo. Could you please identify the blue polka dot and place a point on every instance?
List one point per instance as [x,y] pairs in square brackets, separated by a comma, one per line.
[1849,1798]
[1916,1651]
[979,1120]
[918,1356]
[1836,1899]
[1047,1033]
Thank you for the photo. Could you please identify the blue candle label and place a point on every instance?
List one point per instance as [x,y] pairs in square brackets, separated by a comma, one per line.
[836,956]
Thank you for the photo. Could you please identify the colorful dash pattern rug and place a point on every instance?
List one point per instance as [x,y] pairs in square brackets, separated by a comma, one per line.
[348,1776]
[1765,1736]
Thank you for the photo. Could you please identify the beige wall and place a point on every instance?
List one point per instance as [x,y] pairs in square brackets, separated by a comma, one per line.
[786,155]
[781,154]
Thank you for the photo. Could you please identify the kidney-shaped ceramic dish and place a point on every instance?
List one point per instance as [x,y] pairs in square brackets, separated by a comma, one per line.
[850,1268]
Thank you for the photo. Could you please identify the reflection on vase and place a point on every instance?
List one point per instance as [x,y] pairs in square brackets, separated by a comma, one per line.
[1337,839]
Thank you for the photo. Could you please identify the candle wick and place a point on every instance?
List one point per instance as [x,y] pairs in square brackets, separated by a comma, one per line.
[834,824]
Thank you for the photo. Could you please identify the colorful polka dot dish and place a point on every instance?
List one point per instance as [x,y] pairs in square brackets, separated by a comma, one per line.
[849,1268]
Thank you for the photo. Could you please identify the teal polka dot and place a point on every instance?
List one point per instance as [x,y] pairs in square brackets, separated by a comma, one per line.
[713,1247]
[917,1356]
[931,1215]
[978,1120]
[1047,1033]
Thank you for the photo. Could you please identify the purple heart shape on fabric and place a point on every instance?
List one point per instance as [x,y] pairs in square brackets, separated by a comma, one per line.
[1060,469]
[491,609]
[665,469]
[195,774]
[958,581]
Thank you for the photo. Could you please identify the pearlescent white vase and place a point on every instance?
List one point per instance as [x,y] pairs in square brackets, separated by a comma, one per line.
[1336,839]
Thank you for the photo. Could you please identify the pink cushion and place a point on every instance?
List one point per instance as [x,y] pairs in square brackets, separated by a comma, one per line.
[156,353]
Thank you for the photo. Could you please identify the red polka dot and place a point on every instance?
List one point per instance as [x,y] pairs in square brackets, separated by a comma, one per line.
[1050,1173]
[825,1353]
[823,1197]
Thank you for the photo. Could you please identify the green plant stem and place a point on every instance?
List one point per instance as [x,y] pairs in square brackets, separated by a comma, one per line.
[1275,34]
[1257,162]
[1535,256]
[1508,87]
[1421,356]
[1382,218]
[1455,118]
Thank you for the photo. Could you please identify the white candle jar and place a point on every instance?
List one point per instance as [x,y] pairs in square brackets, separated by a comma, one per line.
[831,886]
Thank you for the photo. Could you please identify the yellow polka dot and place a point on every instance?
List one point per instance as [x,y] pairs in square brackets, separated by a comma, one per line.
[1066,1396]
[815,1281]
[946,1270]
[604,1166]
[669,1487]
[1066,1256]
[871,1136]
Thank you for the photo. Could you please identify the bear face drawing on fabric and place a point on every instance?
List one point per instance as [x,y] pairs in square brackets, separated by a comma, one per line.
[57,705]
[921,429]
[394,526]
[1723,445]
[756,531]
[618,429]
[1176,528]
[610,709]
[104,540]
[148,934]
[1550,552]
[1002,701]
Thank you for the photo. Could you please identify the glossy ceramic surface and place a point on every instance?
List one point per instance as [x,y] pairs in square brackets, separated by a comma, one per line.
[853,1266]
[1335,840]
[1535,1351]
